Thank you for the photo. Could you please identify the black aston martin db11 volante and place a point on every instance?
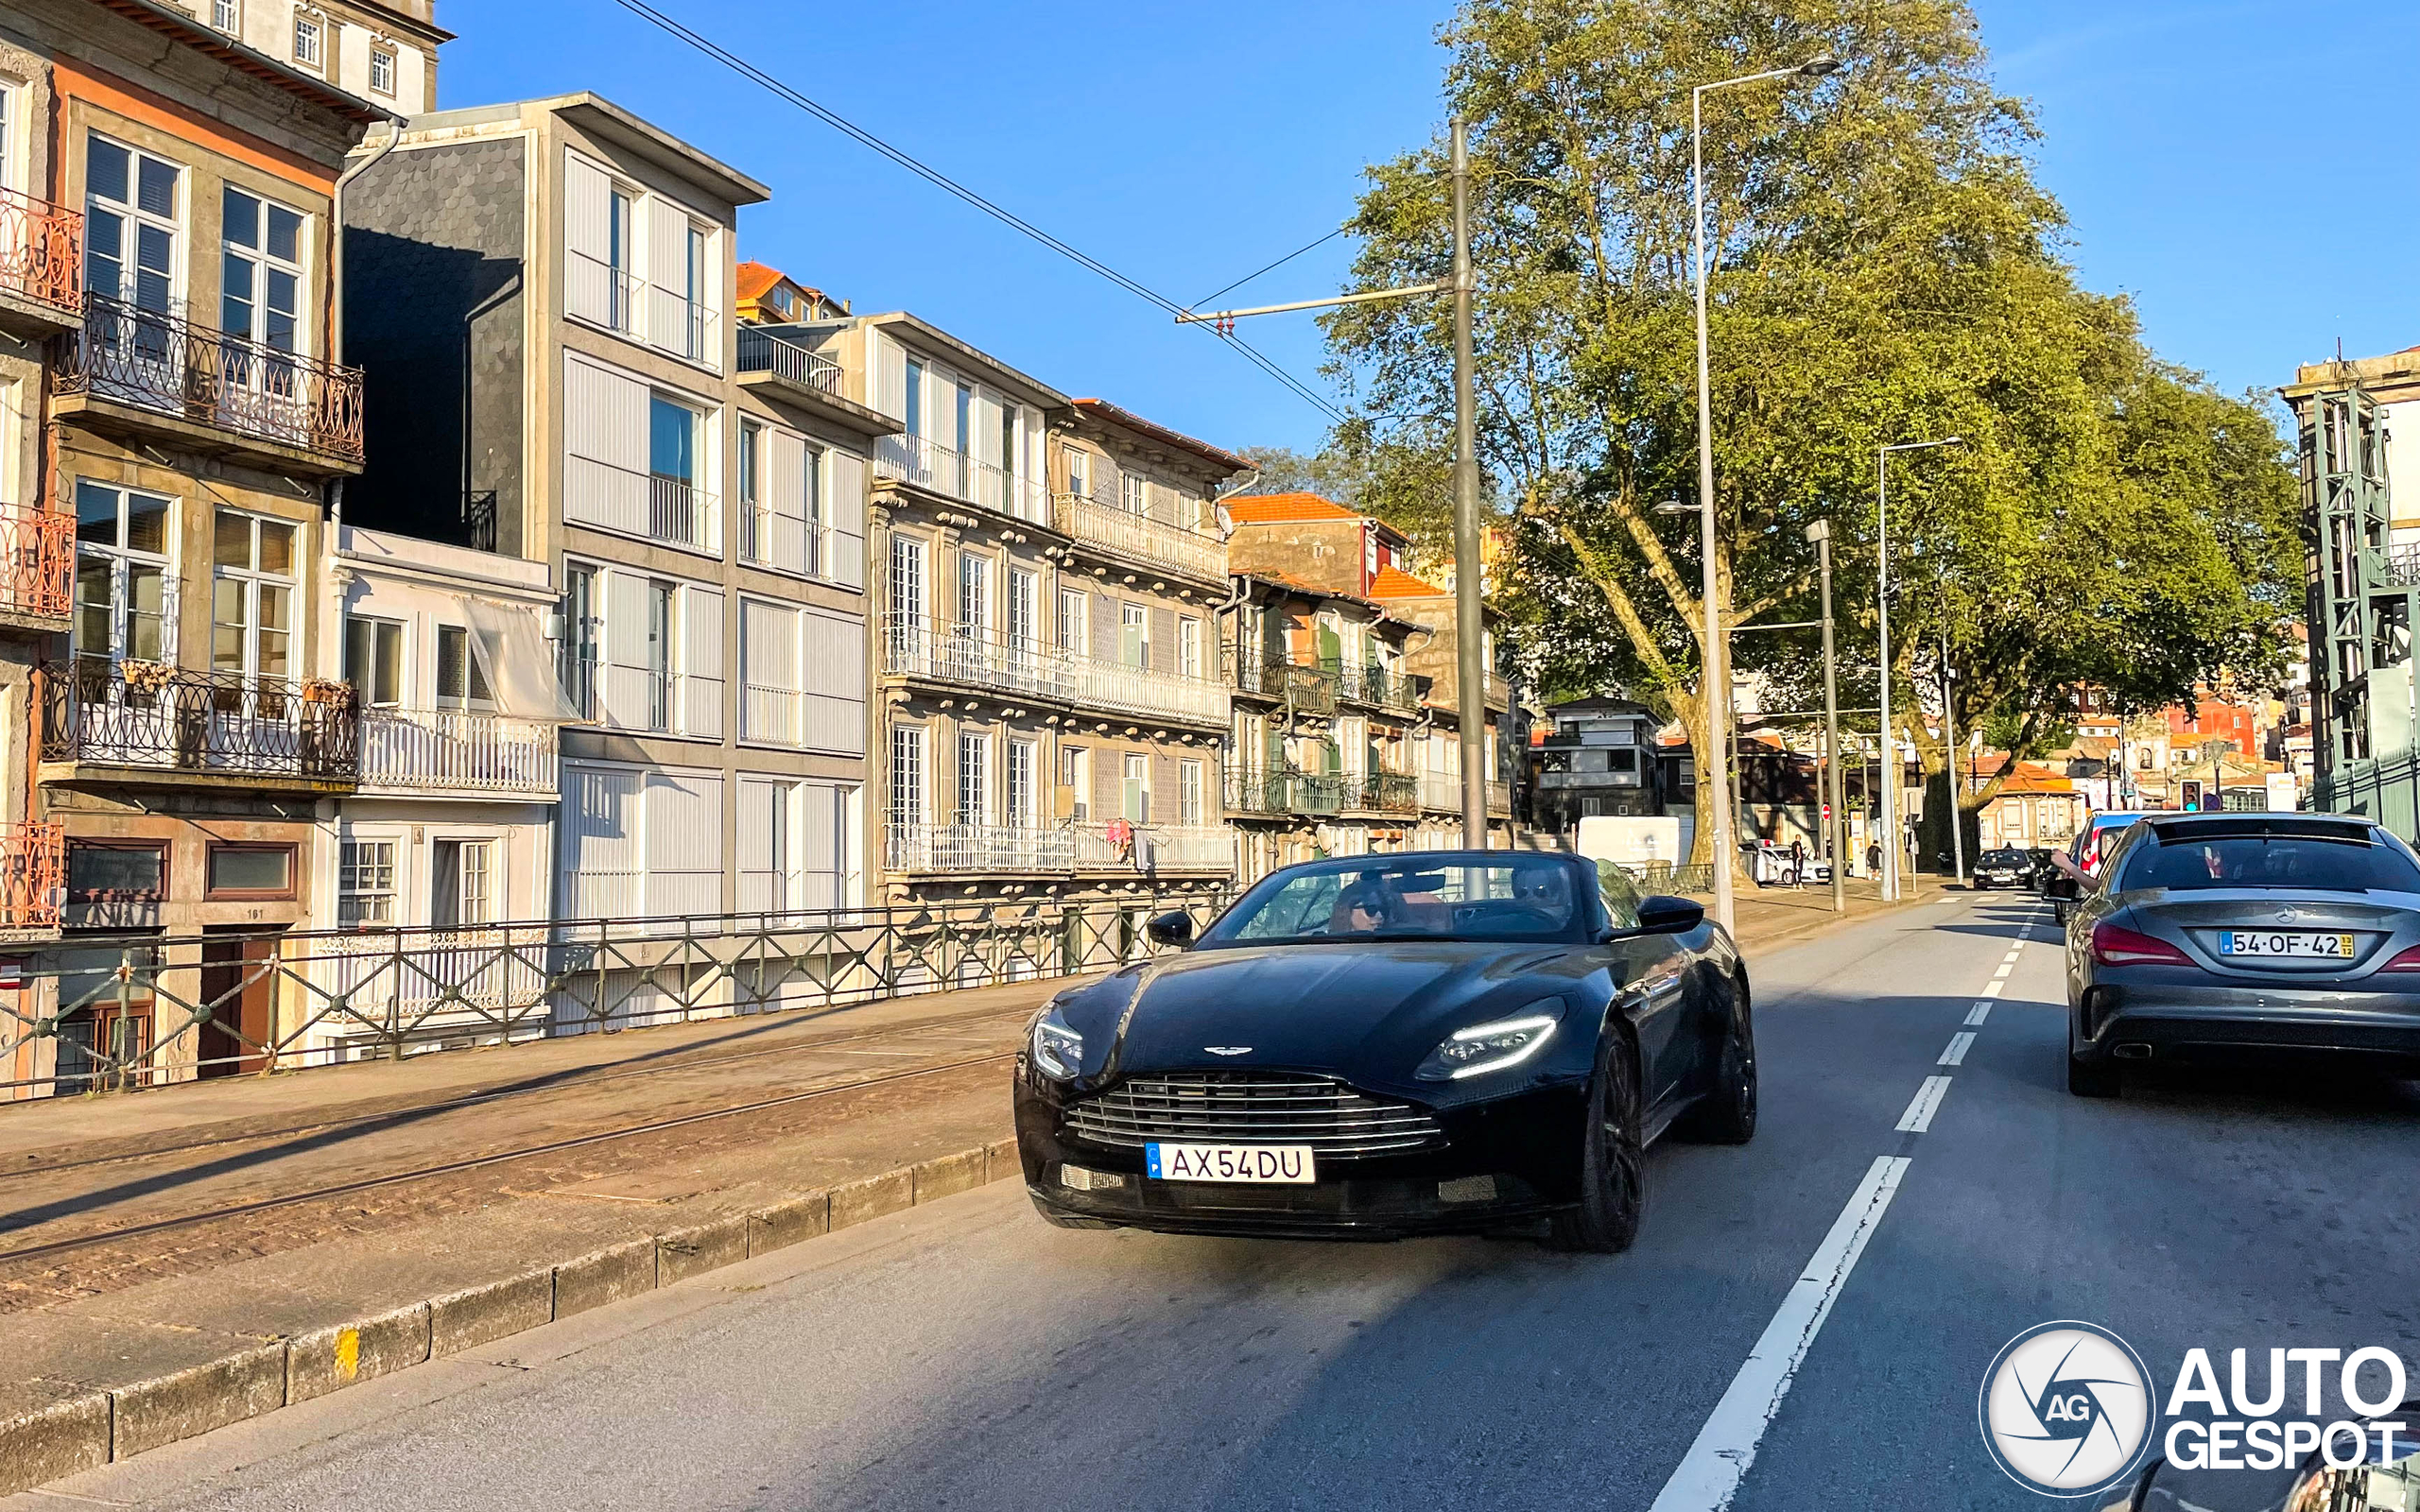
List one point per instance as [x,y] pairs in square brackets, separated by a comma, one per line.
[1378,1046]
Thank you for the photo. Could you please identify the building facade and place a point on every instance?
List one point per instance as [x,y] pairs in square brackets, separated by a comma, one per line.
[192,416]
[381,51]
[558,377]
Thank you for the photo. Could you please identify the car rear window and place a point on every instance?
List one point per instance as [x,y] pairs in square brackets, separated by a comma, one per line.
[2274,860]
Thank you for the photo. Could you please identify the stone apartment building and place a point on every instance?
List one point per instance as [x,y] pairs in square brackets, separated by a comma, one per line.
[1045,581]
[1329,616]
[168,215]
[384,53]
[556,377]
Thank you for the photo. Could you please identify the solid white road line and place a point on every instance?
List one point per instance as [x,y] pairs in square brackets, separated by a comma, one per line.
[1710,1472]
[1981,1011]
[1956,1053]
[1918,1117]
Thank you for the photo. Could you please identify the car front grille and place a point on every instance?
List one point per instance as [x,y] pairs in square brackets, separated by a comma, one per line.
[1236,1107]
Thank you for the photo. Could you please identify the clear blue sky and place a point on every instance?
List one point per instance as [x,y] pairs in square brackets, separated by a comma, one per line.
[2193,143]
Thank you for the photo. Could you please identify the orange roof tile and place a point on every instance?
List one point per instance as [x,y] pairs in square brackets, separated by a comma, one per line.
[755,278]
[1393,582]
[1275,508]
[1218,456]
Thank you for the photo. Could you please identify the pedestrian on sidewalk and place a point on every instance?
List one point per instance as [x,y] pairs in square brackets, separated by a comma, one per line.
[1798,863]
[1874,858]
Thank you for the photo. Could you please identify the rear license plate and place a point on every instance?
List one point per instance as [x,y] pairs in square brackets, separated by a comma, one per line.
[1274,1164]
[2286,943]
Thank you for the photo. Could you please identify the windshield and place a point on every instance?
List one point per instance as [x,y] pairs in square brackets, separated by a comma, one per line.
[1406,898]
[2003,858]
[2285,860]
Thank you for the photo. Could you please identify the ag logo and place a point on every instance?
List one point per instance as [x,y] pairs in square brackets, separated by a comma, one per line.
[2066,1409]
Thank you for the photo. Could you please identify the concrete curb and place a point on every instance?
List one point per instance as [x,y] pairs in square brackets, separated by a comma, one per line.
[50,1430]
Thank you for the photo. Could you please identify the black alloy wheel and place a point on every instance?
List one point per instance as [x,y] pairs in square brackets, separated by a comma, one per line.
[1727,1113]
[1613,1176]
[2091,1078]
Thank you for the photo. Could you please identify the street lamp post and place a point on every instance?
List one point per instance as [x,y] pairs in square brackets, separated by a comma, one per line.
[1836,834]
[1890,837]
[1716,669]
[1950,744]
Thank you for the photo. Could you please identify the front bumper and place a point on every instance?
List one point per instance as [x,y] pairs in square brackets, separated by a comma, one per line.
[1501,1162]
[2182,1019]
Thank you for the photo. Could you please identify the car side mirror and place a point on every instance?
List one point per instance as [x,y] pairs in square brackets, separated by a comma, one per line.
[1172,928]
[1663,915]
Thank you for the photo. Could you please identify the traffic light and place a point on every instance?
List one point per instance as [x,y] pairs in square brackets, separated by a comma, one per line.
[2190,792]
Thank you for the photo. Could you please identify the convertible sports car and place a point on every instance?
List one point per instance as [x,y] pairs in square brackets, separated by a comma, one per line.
[1438,1041]
[2244,937]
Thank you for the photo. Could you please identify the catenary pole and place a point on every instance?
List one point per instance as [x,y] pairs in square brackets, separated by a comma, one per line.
[1470,662]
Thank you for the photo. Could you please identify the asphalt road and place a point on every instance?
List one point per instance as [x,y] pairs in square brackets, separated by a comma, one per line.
[965,1356]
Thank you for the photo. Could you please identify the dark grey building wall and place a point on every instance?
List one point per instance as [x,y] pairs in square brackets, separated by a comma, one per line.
[434,240]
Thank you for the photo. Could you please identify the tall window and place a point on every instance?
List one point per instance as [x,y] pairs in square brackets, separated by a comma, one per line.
[1135,791]
[908,604]
[755,513]
[1133,635]
[366,882]
[382,70]
[310,40]
[1080,474]
[261,272]
[1189,647]
[661,615]
[374,659]
[973,777]
[461,882]
[1132,493]
[915,416]
[693,294]
[121,573]
[131,222]
[462,671]
[974,592]
[618,239]
[227,15]
[1071,619]
[908,776]
[582,621]
[1188,792]
[1017,810]
[252,596]
[813,506]
[1075,776]
[674,512]
[1023,589]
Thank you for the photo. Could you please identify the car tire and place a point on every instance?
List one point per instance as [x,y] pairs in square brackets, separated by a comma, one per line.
[1057,1219]
[1613,1164]
[2092,1078]
[1727,1115]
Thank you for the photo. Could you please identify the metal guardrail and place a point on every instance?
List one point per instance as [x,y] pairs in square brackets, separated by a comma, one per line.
[151,359]
[126,1013]
[41,250]
[151,714]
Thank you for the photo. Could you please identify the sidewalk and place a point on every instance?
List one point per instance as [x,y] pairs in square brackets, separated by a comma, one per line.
[177,1259]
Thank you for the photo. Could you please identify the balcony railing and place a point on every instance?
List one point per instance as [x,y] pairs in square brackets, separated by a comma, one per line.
[789,716]
[41,250]
[37,561]
[978,848]
[1381,793]
[984,657]
[159,361]
[1141,538]
[33,875]
[1500,796]
[1150,847]
[1373,685]
[1441,791]
[762,351]
[445,749]
[618,299]
[1310,689]
[921,461]
[150,715]
[654,505]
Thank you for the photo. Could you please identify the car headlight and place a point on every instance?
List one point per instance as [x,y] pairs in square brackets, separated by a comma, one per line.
[1058,1050]
[1495,1045]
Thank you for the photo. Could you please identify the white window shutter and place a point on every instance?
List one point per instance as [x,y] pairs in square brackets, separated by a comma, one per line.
[769,672]
[702,675]
[820,855]
[790,462]
[605,447]
[834,683]
[588,284]
[844,553]
[683,843]
[888,362]
[756,800]
[628,686]
[667,276]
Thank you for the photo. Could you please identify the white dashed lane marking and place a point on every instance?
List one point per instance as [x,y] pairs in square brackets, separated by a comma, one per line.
[1918,1117]
[1956,1053]
[1980,1012]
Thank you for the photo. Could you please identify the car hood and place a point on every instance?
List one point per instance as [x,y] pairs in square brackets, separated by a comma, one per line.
[1369,1011]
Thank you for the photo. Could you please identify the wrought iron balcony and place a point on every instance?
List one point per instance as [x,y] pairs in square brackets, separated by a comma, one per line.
[1373,685]
[1381,793]
[976,656]
[41,256]
[1154,848]
[33,876]
[451,751]
[766,352]
[154,361]
[37,562]
[1145,540]
[1310,689]
[169,719]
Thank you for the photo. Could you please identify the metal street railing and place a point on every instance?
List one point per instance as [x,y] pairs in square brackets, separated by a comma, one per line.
[156,360]
[1141,538]
[41,254]
[122,1013]
[151,714]
[440,750]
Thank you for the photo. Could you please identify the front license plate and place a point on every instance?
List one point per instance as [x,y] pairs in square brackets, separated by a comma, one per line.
[2286,943]
[1274,1164]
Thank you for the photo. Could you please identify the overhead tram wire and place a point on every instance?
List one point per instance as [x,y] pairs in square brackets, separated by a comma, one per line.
[1270,268]
[949,185]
